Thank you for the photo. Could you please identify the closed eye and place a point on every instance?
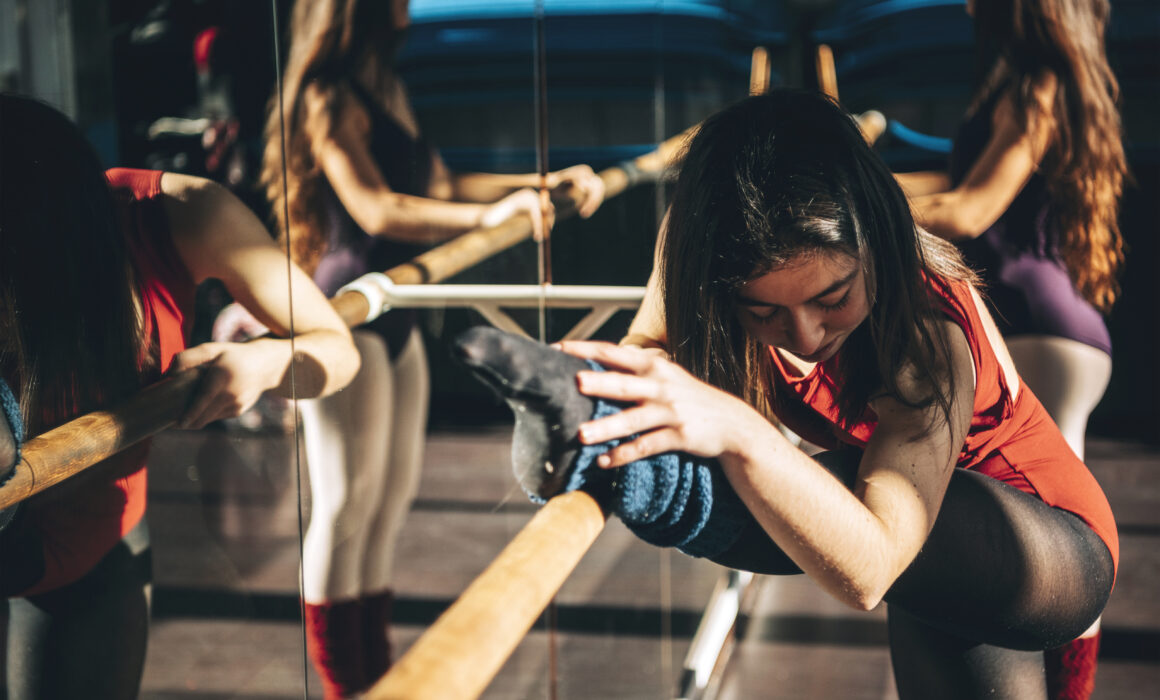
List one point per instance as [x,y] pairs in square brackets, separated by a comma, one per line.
[837,305]
[762,314]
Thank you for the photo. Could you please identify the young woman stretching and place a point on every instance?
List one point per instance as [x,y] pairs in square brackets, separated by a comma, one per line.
[793,282]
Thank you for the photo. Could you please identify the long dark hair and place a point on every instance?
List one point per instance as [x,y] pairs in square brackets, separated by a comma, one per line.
[1085,165]
[330,43]
[775,177]
[70,337]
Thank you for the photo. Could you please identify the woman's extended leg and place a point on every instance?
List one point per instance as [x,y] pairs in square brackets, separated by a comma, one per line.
[346,447]
[412,388]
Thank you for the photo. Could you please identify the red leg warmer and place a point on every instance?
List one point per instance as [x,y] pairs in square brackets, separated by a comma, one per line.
[1071,669]
[334,640]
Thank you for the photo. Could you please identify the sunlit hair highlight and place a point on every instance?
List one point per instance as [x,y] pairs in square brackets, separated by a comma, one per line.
[1085,165]
[331,41]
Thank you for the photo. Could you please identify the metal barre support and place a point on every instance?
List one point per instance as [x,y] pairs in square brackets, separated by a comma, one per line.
[718,625]
[382,294]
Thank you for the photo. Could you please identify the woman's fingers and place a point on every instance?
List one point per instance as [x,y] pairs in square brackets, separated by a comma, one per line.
[617,386]
[193,357]
[202,408]
[647,445]
[227,386]
[630,421]
[591,190]
[585,181]
[623,358]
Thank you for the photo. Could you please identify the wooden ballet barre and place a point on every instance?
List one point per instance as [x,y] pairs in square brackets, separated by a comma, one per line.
[459,655]
[69,449]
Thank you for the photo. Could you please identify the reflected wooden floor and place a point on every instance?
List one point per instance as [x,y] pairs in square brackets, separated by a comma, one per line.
[225,526]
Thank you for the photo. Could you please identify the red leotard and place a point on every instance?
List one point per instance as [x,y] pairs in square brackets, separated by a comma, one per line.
[81,522]
[1014,441]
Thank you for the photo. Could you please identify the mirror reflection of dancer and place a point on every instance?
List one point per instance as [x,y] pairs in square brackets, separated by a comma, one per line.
[792,280]
[366,192]
[1032,197]
[97,278]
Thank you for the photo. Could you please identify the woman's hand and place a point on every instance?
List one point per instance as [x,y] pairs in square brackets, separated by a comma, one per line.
[234,378]
[585,182]
[674,411]
[523,201]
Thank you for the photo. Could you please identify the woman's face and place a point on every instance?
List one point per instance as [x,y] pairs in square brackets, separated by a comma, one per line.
[807,307]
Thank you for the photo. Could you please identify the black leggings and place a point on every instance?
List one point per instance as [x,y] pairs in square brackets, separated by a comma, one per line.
[1001,577]
[86,639]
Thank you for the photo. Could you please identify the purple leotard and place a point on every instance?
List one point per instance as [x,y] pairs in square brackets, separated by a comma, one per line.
[1028,288]
[405,162]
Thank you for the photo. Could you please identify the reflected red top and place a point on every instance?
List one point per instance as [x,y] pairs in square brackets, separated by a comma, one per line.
[81,520]
[1011,439]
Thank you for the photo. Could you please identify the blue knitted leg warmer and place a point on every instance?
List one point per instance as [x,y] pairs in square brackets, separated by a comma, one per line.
[669,500]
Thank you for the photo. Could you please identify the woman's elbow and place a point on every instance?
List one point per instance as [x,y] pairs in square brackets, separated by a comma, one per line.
[862,596]
[343,367]
[970,225]
[327,367]
[866,590]
[374,221]
[867,600]
[345,373]
[950,218]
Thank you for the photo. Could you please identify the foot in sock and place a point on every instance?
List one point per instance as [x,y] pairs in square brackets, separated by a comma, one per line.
[539,383]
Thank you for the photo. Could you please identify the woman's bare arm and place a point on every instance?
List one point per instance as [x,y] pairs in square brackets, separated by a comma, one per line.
[342,150]
[855,544]
[217,236]
[923,182]
[1007,162]
[580,180]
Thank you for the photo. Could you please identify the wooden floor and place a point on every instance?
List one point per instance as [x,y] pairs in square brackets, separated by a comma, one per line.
[225,526]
